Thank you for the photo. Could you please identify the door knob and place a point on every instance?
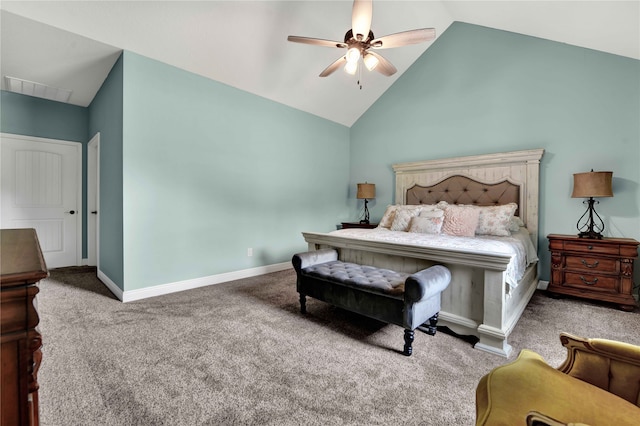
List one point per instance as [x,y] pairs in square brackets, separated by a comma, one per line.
[94,212]
[71,212]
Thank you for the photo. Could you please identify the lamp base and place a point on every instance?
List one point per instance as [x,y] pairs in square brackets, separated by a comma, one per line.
[365,221]
[590,228]
[590,234]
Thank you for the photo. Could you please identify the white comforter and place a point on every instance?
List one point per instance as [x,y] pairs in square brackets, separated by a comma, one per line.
[518,245]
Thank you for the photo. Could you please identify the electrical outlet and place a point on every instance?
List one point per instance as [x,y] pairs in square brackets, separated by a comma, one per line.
[250,252]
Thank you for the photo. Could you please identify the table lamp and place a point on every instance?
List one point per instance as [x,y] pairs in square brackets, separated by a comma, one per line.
[366,192]
[589,185]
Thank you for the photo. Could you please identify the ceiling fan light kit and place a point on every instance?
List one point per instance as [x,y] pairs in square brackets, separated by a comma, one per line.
[370,61]
[353,54]
[358,45]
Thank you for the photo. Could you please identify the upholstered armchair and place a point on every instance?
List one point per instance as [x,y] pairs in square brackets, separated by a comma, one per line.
[598,384]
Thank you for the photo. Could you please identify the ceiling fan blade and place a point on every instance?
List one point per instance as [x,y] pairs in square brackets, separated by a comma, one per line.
[361,18]
[404,38]
[384,67]
[334,66]
[316,41]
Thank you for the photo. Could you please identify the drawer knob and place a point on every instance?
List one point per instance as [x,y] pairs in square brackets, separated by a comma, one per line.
[590,247]
[584,280]
[593,265]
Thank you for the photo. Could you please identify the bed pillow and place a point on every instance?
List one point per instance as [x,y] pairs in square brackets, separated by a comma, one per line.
[417,208]
[515,224]
[429,222]
[496,220]
[426,207]
[390,213]
[403,218]
[460,221]
[388,216]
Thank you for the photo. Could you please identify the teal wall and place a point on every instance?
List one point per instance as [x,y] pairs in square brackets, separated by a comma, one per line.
[31,116]
[210,171]
[479,90]
[106,117]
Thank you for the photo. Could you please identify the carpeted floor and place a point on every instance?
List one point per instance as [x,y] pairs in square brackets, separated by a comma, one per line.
[240,353]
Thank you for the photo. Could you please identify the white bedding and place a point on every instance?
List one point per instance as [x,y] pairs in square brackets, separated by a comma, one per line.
[518,245]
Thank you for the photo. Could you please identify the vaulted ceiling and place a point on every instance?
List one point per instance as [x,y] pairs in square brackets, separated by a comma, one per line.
[73,45]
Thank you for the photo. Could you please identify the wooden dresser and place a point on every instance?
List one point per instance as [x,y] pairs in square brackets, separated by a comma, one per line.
[21,267]
[593,269]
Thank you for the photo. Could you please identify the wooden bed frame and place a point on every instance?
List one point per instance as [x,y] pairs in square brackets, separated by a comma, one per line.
[479,301]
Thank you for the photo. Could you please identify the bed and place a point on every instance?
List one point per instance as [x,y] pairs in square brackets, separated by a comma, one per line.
[488,292]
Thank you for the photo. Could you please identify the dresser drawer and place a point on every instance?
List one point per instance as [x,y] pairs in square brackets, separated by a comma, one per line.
[591,282]
[592,264]
[592,247]
[13,314]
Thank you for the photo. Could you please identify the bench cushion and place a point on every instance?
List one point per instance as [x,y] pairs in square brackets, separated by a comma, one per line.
[376,280]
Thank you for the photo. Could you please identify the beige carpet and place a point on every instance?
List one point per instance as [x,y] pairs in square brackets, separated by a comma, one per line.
[240,353]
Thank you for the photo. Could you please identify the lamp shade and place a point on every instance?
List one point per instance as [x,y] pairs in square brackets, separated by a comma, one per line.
[592,184]
[366,191]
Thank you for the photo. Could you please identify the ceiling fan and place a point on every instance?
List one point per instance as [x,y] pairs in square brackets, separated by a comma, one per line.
[360,39]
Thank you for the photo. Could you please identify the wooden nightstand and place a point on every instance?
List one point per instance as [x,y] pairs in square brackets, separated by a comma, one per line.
[593,269]
[346,225]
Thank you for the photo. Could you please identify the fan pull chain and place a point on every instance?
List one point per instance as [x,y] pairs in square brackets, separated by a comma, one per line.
[359,77]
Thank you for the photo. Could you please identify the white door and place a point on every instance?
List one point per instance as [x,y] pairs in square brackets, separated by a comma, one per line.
[93,199]
[41,189]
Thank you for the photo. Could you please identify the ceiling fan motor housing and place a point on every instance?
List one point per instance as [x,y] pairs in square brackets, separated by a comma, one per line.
[350,39]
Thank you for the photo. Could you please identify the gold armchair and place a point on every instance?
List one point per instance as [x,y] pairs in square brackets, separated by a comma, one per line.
[598,384]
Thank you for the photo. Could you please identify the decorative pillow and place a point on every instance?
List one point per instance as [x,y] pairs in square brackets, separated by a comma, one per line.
[460,221]
[387,217]
[402,219]
[495,220]
[429,222]
[515,224]
[390,213]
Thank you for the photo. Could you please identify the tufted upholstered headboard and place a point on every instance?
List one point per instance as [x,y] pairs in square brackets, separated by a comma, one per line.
[463,190]
[481,179]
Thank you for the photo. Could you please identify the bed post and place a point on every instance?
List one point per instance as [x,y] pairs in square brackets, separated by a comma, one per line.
[493,331]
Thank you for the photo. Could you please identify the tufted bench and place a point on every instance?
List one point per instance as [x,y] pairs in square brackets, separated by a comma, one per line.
[407,300]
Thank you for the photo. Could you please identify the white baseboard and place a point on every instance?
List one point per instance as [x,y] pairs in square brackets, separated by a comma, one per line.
[113,288]
[542,285]
[162,289]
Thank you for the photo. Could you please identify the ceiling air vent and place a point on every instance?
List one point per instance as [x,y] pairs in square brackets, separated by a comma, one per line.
[38,90]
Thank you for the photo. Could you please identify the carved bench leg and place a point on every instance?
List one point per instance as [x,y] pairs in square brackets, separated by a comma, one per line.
[408,340]
[433,322]
[303,303]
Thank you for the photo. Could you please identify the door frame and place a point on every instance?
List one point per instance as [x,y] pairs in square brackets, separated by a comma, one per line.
[78,173]
[93,189]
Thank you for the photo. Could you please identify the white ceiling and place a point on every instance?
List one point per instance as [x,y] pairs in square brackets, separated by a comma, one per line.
[72,45]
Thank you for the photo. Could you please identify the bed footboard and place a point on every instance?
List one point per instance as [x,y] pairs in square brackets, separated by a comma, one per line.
[478,302]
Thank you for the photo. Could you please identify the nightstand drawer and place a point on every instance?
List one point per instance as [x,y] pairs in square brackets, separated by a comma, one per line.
[591,282]
[592,264]
[592,247]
